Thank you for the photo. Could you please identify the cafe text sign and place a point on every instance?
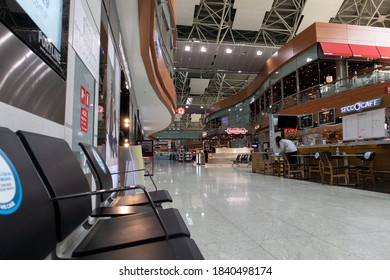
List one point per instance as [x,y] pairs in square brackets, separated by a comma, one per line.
[361,105]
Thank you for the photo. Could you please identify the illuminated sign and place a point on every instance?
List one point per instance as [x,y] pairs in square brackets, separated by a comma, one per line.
[47,14]
[290,130]
[362,105]
[100,109]
[236,130]
[180,111]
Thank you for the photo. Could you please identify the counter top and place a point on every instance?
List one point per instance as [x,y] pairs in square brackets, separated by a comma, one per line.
[347,144]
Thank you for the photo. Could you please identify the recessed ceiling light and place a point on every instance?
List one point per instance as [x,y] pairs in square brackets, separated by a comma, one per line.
[239,71]
[228,50]
[187,106]
[187,48]
[203,49]
[259,52]
[201,107]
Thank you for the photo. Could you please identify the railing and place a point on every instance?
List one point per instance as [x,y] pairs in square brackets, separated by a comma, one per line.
[319,91]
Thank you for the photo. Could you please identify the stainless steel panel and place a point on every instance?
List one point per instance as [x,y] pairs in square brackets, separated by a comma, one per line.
[27,82]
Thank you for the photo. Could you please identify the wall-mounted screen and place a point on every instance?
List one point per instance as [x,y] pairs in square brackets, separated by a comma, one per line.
[47,15]
[147,148]
[287,121]
[306,121]
[327,116]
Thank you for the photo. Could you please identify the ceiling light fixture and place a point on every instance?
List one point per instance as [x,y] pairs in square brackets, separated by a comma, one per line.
[228,50]
[259,52]
[187,48]
[203,49]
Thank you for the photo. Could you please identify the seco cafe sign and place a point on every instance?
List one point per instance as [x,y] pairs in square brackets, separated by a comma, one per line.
[361,105]
[236,130]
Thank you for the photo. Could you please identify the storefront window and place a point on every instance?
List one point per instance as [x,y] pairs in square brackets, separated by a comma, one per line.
[308,75]
[289,85]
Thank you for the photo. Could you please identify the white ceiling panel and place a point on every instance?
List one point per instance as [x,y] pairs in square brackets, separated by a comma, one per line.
[198,85]
[250,14]
[185,11]
[319,11]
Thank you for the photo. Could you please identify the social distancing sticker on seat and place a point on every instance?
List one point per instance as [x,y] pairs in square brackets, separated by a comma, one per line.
[10,187]
[99,160]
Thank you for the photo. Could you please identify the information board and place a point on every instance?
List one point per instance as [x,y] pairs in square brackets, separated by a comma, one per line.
[365,125]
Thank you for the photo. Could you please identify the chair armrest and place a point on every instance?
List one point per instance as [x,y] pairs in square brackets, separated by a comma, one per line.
[137,170]
[118,190]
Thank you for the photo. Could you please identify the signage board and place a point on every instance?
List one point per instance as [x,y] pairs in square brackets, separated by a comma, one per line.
[361,105]
[236,130]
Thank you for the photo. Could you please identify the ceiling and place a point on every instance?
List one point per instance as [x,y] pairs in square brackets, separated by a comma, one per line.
[253,30]
[246,27]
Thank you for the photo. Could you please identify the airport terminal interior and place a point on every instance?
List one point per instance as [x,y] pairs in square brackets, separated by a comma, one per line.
[195,129]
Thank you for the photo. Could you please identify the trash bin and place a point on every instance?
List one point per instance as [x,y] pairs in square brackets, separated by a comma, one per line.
[200,159]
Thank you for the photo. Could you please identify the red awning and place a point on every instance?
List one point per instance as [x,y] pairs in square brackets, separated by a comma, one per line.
[384,52]
[364,51]
[336,49]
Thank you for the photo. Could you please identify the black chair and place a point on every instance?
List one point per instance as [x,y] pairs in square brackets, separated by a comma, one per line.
[237,160]
[30,226]
[69,189]
[103,177]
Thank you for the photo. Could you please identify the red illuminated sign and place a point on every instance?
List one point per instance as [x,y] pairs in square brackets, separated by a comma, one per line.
[290,130]
[85,97]
[100,109]
[84,119]
[236,130]
[387,90]
[180,111]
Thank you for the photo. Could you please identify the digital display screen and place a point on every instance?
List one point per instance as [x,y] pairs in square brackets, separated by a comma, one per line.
[147,148]
[327,116]
[306,121]
[285,121]
[47,15]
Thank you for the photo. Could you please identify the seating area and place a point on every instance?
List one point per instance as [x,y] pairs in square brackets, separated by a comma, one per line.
[344,169]
[244,159]
[49,212]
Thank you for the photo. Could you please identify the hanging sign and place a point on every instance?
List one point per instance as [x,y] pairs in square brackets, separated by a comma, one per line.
[236,130]
[180,111]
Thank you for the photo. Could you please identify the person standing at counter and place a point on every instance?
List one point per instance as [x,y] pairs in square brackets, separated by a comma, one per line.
[288,148]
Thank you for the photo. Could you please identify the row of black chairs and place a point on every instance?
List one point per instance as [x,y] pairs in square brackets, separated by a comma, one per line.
[243,159]
[46,209]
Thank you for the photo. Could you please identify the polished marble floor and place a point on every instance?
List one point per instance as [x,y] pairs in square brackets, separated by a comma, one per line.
[233,213]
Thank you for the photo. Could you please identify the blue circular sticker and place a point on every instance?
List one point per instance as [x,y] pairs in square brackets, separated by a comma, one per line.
[99,160]
[10,187]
